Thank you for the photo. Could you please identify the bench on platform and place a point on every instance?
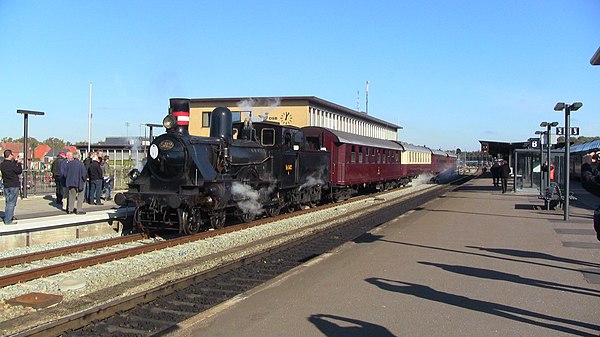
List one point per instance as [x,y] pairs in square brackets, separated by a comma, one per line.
[553,196]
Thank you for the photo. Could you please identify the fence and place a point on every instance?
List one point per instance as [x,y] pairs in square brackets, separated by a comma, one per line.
[41,182]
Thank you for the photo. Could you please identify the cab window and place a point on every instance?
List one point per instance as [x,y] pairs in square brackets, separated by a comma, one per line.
[267,137]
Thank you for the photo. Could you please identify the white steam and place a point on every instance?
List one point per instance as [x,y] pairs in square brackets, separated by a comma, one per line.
[423,178]
[248,199]
[314,179]
[259,109]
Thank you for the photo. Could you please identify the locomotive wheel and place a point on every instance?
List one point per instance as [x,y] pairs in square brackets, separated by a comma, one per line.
[136,223]
[217,219]
[246,217]
[189,225]
[274,210]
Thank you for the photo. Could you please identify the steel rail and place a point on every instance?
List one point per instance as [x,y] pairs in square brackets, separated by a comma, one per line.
[47,254]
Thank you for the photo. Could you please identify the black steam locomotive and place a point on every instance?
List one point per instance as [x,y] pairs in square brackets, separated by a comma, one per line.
[243,169]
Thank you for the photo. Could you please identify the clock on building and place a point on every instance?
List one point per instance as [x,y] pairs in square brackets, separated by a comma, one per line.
[286,118]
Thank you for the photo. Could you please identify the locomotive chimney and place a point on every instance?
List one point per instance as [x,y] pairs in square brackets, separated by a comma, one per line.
[221,124]
[180,109]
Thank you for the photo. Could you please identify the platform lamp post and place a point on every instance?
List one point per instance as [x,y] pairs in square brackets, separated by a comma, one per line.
[548,133]
[567,108]
[26,114]
[542,178]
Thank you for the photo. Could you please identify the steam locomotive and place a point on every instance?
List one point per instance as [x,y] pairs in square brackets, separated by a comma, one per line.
[246,170]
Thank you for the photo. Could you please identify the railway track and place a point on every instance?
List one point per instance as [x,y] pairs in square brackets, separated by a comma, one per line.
[8,277]
[151,311]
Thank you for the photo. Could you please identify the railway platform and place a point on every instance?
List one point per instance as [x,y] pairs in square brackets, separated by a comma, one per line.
[39,220]
[473,262]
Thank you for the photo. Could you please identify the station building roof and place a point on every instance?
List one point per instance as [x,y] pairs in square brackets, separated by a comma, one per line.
[311,100]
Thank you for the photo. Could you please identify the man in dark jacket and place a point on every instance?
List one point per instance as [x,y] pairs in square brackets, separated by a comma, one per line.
[76,176]
[495,169]
[55,168]
[590,180]
[95,180]
[504,175]
[87,161]
[10,168]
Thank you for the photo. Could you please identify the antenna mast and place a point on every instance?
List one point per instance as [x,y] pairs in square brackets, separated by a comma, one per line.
[367,98]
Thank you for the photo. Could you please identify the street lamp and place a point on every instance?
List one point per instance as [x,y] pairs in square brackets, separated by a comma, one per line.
[26,114]
[568,108]
[548,133]
[542,185]
[595,60]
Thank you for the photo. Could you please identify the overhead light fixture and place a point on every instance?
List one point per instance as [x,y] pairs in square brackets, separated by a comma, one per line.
[560,106]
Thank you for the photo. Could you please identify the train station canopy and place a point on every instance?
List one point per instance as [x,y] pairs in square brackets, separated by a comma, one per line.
[502,149]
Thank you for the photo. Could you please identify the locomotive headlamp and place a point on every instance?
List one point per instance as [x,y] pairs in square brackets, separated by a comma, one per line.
[169,122]
[134,174]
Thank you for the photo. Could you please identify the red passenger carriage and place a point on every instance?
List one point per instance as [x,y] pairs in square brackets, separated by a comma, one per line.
[357,162]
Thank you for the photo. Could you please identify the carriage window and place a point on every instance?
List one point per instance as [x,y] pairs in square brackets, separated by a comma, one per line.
[384,156]
[268,137]
[353,156]
[367,155]
[378,157]
[360,155]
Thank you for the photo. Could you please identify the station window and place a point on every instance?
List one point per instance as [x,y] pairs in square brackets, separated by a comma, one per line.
[353,155]
[267,137]
[205,119]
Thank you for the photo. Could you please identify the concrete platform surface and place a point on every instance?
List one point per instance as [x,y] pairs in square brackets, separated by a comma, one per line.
[474,262]
[39,212]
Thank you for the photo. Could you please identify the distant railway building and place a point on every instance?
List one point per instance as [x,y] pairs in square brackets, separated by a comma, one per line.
[298,111]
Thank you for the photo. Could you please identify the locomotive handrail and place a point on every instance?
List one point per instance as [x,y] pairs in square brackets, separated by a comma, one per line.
[254,163]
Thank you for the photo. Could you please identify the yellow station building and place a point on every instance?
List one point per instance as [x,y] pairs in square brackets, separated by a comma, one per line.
[298,111]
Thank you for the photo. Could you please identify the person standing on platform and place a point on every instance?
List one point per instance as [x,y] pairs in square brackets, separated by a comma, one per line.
[590,180]
[76,176]
[10,168]
[55,168]
[504,175]
[95,179]
[86,162]
[495,169]
[63,177]
[108,179]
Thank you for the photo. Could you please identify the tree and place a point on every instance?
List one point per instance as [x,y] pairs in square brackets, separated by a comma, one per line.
[55,143]
[32,142]
[7,140]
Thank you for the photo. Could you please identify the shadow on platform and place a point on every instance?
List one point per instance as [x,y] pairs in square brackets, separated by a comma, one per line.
[491,308]
[328,325]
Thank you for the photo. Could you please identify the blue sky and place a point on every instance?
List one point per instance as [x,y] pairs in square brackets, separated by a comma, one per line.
[450,72]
